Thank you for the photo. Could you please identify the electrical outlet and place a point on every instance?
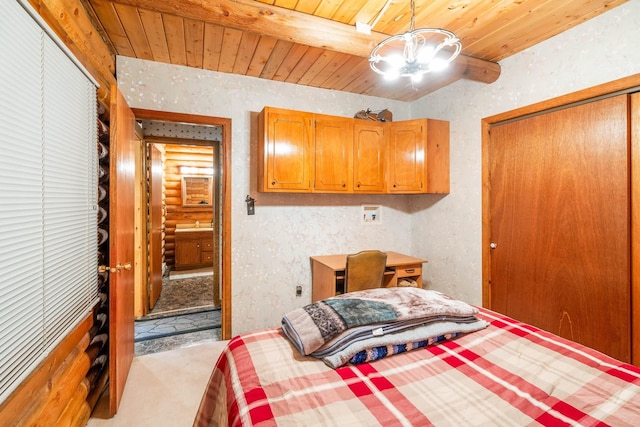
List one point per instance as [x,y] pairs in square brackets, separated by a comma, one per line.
[371,214]
[298,291]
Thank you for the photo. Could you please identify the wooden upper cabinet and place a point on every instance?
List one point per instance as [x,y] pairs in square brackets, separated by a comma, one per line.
[437,156]
[369,150]
[406,155]
[285,150]
[333,154]
[306,152]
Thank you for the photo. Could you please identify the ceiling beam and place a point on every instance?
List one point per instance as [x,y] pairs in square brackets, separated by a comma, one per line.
[296,27]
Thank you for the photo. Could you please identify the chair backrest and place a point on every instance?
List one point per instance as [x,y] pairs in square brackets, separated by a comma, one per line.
[365,270]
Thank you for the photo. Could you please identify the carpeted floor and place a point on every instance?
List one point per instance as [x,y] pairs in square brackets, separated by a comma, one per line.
[184,314]
[163,389]
[184,295]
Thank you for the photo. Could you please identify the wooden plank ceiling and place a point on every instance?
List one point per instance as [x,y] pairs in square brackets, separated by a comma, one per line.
[315,42]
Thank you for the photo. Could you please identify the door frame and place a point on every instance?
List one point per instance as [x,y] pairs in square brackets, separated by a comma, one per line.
[625,85]
[225,267]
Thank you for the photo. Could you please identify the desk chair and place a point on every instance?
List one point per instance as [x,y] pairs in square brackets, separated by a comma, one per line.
[365,270]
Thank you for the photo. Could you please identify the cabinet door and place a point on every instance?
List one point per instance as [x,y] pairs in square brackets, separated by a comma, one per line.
[407,156]
[187,253]
[437,156]
[286,150]
[368,157]
[333,154]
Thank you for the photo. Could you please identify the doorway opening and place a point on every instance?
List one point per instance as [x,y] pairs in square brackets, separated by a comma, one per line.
[184,221]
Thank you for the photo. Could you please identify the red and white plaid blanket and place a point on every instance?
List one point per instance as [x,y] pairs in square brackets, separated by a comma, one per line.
[509,374]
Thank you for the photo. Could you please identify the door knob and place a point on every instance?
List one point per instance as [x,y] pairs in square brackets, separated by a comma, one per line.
[126,266]
[493,245]
[119,267]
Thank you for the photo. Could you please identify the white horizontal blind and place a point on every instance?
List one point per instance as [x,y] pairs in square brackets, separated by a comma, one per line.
[48,184]
[70,187]
[21,251]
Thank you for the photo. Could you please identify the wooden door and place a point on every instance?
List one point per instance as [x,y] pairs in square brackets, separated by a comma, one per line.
[559,221]
[287,145]
[121,245]
[368,157]
[157,230]
[333,154]
[407,156]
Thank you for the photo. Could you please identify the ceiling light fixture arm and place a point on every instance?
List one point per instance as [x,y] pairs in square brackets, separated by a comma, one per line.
[415,52]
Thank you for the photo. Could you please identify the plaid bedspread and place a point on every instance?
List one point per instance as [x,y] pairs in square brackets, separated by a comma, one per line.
[509,374]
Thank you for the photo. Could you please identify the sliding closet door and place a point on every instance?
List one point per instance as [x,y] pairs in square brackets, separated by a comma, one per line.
[559,223]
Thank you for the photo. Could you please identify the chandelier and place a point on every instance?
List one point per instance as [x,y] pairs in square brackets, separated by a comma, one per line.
[415,52]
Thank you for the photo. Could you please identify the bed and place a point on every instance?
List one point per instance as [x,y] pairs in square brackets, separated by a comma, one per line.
[505,374]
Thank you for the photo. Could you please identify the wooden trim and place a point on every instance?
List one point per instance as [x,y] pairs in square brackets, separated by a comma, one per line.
[605,89]
[486,217]
[635,228]
[177,141]
[141,291]
[565,100]
[143,114]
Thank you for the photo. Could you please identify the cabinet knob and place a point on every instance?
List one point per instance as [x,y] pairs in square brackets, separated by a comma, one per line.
[493,245]
[273,183]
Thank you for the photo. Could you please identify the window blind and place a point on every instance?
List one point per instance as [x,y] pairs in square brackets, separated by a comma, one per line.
[48,194]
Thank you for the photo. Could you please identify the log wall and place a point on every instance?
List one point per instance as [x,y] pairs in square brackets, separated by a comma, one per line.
[55,393]
[175,157]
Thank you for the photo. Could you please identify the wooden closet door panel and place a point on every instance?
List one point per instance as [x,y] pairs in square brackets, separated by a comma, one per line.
[559,205]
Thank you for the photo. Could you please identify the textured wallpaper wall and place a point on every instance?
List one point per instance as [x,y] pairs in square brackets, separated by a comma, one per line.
[271,250]
[449,232]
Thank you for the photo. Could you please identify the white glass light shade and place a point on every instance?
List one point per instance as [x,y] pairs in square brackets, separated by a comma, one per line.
[415,53]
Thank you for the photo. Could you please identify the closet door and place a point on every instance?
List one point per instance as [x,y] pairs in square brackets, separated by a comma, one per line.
[559,224]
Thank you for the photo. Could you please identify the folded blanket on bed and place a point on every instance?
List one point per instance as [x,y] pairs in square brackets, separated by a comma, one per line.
[375,348]
[311,326]
[361,333]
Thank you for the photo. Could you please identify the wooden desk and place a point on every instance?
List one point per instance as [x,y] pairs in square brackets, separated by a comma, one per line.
[327,273]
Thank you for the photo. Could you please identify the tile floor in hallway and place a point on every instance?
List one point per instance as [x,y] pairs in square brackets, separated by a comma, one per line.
[185,316]
[165,333]
[177,341]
